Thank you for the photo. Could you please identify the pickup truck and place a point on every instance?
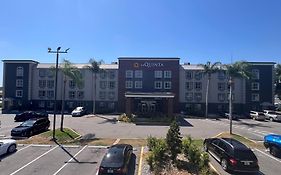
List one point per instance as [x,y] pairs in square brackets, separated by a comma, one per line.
[273,142]
[272,115]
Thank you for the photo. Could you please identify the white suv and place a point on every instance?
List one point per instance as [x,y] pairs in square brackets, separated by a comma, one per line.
[257,115]
[272,115]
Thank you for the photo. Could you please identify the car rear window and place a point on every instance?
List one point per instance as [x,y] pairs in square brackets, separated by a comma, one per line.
[28,123]
[244,154]
[114,156]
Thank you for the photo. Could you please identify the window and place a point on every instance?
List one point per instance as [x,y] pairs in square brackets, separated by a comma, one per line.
[129,84]
[158,84]
[50,94]
[80,103]
[198,75]
[71,94]
[19,83]
[111,106]
[111,95]
[198,86]
[158,74]
[138,84]
[72,84]
[188,86]
[255,86]
[167,74]
[50,73]
[188,75]
[101,104]
[103,84]
[221,75]
[41,104]
[221,86]
[129,74]
[111,85]
[221,97]
[42,73]
[255,97]
[233,86]
[50,104]
[198,96]
[167,85]
[70,105]
[19,71]
[102,95]
[233,95]
[103,75]
[19,93]
[50,84]
[255,74]
[42,94]
[197,107]
[80,94]
[188,96]
[42,83]
[138,73]
[111,74]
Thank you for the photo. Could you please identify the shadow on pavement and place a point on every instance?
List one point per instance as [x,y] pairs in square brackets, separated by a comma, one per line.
[252,125]
[6,155]
[183,122]
[107,120]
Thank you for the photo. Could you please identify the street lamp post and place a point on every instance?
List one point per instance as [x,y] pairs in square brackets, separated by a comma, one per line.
[56,85]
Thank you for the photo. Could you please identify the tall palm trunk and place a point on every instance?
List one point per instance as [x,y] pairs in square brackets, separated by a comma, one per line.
[230,105]
[207,95]
[62,105]
[94,99]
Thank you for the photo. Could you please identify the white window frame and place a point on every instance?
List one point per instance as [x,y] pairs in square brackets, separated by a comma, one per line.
[102,95]
[199,87]
[19,93]
[129,84]
[158,74]
[42,84]
[41,94]
[111,95]
[71,94]
[221,97]
[19,83]
[20,71]
[50,94]
[255,97]
[256,74]
[138,73]
[189,86]
[80,94]
[111,74]
[138,84]
[103,84]
[111,84]
[198,96]
[221,86]
[129,74]
[41,104]
[50,84]
[255,86]
[42,72]
[158,85]
[167,74]
[198,75]
[188,75]
[167,85]
[188,96]
[72,84]
[103,75]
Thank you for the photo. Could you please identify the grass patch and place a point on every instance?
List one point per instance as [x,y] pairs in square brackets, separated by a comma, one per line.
[134,142]
[242,139]
[102,142]
[65,136]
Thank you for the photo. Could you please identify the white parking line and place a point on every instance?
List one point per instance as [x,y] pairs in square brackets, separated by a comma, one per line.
[24,148]
[33,161]
[268,155]
[69,160]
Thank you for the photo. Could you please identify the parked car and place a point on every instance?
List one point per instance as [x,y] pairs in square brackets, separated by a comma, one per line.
[7,146]
[116,160]
[232,154]
[31,126]
[28,115]
[273,142]
[234,115]
[272,115]
[79,111]
[257,115]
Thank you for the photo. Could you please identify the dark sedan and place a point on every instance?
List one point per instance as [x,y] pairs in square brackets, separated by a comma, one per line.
[28,115]
[31,126]
[232,155]
[116,160]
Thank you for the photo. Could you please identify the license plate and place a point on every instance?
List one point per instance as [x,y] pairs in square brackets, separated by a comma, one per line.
[246,163]
[110,171]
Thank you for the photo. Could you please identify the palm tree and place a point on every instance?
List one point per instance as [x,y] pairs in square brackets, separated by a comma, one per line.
[238,69]
[209,69]
[71,72]
[94,67]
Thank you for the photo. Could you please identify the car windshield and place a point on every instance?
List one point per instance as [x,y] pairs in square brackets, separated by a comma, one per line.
[113,156]
[28,123]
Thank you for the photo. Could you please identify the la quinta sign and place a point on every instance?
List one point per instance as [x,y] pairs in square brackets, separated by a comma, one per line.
[151,64]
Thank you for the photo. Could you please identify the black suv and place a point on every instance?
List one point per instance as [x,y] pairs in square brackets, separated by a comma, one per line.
[116,160]
[31,126]
[232,154]
[28,115]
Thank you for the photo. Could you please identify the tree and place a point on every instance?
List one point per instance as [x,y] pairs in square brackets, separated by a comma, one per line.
[173,140]
[94,67]
[209,69]
[239,69]
[71,72]
[278,80]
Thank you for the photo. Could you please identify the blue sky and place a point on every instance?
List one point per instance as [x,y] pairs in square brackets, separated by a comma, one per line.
[194,30]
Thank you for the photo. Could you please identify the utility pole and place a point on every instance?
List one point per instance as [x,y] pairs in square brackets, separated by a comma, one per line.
[56,85]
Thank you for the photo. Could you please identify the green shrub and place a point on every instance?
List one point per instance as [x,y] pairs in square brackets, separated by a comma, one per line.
[125,118]
[186,142]
[204,160]
[173,140]
[151,141]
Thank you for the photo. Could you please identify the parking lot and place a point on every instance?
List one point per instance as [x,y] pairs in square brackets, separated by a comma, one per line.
[51,159]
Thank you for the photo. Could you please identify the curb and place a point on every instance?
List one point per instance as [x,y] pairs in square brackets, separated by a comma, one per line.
[75,133]
[213,168]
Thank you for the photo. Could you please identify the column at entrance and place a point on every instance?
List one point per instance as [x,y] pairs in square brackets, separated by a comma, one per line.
[129,105]
[170,107]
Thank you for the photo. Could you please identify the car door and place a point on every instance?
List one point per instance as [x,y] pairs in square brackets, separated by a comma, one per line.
[213,148]
[221,150]
[2,150]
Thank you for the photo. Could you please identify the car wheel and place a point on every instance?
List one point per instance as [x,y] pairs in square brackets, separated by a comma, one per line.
[271,119]
[30,133]
[12,148]
[205,147]
[224,164]
[273,151]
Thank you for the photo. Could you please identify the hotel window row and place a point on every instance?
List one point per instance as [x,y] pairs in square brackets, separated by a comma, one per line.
[166,85]
[44,73]
[102,95]
[197,86]
[162,74]
[19,83]
[110,74]
[189,96]
[50,83]
[199,74]
[157,74]
[103,84]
